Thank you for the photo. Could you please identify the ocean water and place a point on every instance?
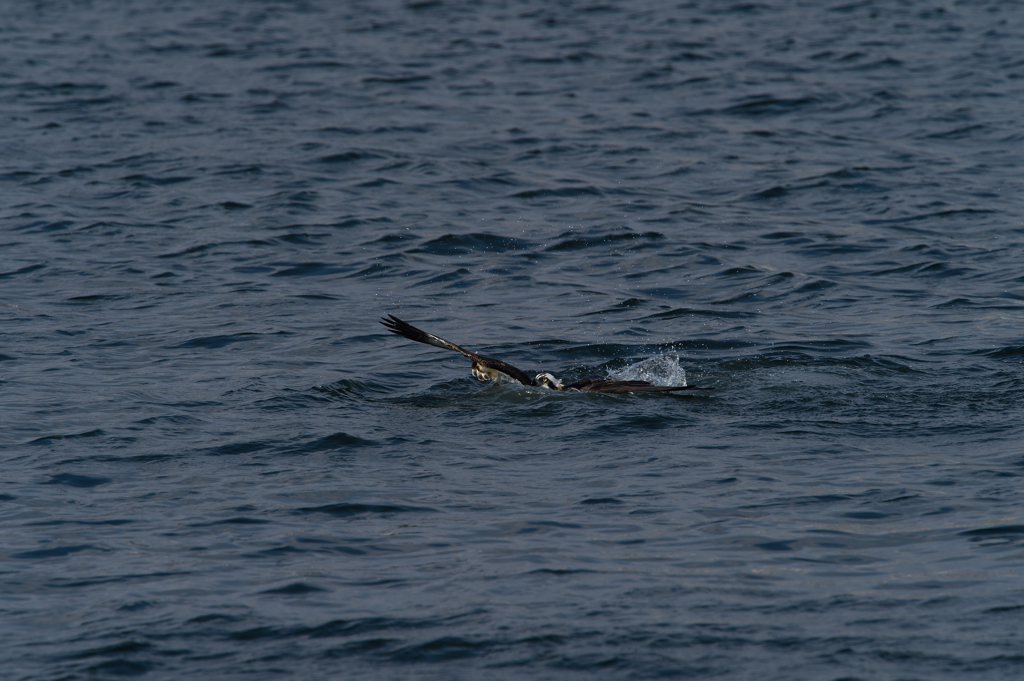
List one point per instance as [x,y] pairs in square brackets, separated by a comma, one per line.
[218,465]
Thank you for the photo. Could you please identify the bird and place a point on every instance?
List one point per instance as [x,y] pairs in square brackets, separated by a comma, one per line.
[490,369]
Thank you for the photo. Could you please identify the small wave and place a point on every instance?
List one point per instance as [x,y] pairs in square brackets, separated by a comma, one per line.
[330,443]
[570,241]
[24,270]
[600,500]
[1008,352]
[295,589]
[760,106]
[73,480]
[350,156]
[308,269]
[50,439]
[236,448]
[351,389]
[215,342]
[454,244]
[546,193]
[239,520]
[344,510]
[57,552]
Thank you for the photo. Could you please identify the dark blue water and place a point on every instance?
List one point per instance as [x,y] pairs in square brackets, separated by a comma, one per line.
[217,465]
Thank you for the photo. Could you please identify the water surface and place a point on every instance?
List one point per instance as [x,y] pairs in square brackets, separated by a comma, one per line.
[218,465]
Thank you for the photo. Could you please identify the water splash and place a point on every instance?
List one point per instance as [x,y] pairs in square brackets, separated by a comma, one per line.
[660,370]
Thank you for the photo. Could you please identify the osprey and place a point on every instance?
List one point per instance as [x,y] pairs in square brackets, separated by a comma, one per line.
[490,369]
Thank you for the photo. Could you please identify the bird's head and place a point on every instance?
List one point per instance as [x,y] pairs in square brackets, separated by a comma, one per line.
[548,381]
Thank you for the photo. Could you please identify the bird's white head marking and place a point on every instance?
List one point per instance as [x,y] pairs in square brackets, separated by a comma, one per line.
[546,380]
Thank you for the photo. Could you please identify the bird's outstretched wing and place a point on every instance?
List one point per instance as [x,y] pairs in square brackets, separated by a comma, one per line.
[596,384]
[407,330]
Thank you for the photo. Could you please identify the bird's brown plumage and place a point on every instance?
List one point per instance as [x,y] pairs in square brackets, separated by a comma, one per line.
[407,330]
[485,368]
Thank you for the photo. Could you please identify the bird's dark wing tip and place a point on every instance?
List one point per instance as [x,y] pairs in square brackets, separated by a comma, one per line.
[394,325]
